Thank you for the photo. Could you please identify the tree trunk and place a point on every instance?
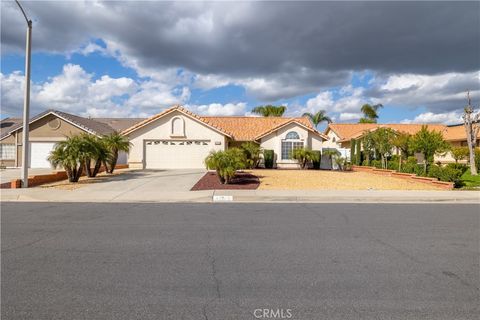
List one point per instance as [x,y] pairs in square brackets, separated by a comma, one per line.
[78,174]
[400,162]
[113,163]
[96,169]
[105,164]
[88,170]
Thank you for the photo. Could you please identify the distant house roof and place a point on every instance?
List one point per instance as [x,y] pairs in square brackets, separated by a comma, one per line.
[239,128]
[7,124]
[348,131]
[99,126]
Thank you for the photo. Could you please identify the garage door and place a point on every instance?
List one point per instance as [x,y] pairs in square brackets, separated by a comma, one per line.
[168,154]
[39,152]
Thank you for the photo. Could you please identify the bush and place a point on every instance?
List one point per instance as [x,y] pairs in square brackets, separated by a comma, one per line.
[316,161]
[376,163]
[226,163]
[411,166]
[268,158]
[460,153]
[458,166]
[252,153]
[304,156]
[448,174]
[477,158]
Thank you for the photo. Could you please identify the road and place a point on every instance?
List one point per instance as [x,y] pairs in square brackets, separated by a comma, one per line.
[231,261]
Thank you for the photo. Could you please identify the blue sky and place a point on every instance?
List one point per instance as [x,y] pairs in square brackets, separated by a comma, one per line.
[210,58]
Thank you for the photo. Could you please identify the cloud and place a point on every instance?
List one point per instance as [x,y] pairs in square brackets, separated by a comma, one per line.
[276,50]
[347,116]
[429,117]
[217,109]
[74,90]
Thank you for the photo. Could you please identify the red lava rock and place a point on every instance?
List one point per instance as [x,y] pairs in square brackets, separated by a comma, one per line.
[241,181]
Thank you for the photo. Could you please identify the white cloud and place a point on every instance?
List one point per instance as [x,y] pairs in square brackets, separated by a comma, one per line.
[347,116]
[217,109]
[430,117]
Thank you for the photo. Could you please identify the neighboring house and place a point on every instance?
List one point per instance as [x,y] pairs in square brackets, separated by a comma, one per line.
[48,128]
[340,135]
[177,138]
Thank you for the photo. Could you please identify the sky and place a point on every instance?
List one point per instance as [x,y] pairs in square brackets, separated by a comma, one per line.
[134,59]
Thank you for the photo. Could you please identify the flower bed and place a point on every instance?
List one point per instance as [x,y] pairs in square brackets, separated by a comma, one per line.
[242,180]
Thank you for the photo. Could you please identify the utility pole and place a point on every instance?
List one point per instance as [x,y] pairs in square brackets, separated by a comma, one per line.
[26,102]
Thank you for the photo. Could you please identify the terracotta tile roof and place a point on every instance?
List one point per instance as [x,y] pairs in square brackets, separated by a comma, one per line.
[347,131]
[251,128]
[456,133]
[236,127]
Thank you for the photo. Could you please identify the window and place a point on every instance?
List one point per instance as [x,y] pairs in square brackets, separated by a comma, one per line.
[292,141]
[178,127]
[7,151]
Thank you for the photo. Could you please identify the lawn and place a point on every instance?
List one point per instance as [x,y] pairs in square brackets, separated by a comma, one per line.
[333,180]
[470,181]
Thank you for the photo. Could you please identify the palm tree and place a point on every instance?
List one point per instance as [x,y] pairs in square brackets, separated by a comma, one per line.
[71,155]
[370,113]
[115,143]
[318,117]
[270,111]
[97,151]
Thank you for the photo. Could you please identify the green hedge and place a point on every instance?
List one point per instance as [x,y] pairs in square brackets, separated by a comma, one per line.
[316,164]
[447,173]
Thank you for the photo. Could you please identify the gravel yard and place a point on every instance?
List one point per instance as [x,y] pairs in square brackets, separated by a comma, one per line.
[333,180]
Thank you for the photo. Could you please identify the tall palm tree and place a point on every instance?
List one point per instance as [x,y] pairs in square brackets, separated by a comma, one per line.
[370,113]
[270,111]
[115,143]
[318,117]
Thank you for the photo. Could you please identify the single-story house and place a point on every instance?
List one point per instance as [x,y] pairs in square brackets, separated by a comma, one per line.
[341,134]
[178,138]
[48,128]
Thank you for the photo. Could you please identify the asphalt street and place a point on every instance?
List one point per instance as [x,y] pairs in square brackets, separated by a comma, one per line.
[228,261]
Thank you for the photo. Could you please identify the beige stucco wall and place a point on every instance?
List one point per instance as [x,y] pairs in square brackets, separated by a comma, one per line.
[161,129]
[273,142]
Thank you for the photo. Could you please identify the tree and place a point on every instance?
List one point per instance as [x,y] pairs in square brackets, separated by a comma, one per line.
[352,151]
[96,151]
[382,139]
[368,145]
[304,156]
[318,117]
[402,142]
[428,143]
[471,122]
[460,153]
[115,143]
[71,155]
[270,111]
[226,163]
[370,114]
[252,153]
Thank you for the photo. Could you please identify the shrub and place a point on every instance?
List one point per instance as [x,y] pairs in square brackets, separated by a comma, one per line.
[458,166]
[304,156]
[448,174]
[376,163]
[358,154]
[268,158]
[252,153]
[226,163]
[460,153]
[316,161]
[477,158]
[352,150]
[411,166]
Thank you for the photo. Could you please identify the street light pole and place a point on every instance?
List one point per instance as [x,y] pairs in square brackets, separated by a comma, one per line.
[26,102]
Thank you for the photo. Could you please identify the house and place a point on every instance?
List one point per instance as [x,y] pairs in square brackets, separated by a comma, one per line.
[48,128]
[341,134]
[178,138]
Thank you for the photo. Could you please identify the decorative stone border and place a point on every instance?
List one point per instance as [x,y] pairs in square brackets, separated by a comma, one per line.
[408,176]
[40,179]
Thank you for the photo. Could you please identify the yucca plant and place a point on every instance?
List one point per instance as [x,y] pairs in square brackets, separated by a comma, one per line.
[226,163]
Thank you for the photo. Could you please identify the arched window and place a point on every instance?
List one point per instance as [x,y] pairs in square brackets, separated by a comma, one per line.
[178,127]
[291,141]
[292,135]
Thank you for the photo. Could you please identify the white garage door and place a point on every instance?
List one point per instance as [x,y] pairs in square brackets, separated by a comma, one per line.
[166,154]
[39,152]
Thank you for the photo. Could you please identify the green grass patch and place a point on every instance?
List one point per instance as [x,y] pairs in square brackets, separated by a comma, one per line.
[470,181]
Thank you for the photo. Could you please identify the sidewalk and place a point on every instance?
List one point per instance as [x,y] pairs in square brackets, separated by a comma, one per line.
[267,196]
